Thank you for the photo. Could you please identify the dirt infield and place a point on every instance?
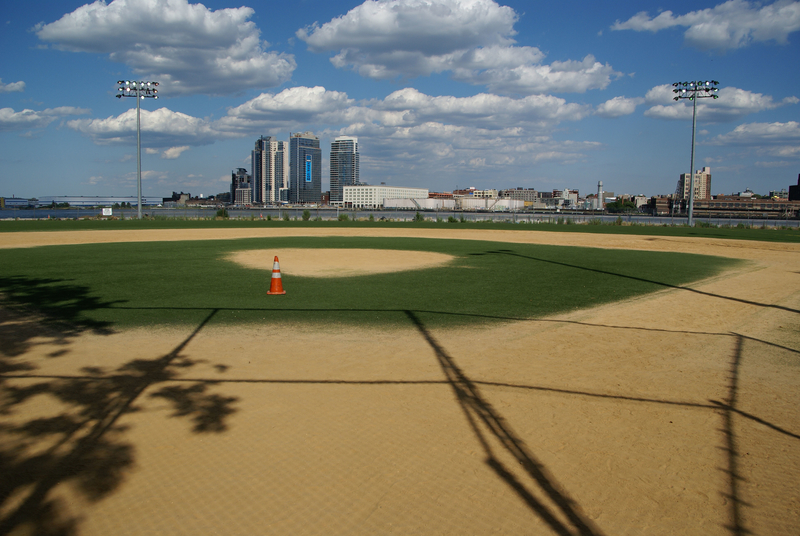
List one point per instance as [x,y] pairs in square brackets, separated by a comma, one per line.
[339,262]
[672,413]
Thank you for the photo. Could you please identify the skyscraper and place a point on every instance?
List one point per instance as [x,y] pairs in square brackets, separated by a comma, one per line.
[344,166]
[305,169]
[270,167]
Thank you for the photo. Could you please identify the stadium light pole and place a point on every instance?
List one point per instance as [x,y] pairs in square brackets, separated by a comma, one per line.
[139,90]
[693,91]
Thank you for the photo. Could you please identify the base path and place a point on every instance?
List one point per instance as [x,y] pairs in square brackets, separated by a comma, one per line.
[671,413]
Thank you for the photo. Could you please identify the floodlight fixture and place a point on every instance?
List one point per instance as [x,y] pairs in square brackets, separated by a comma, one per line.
[697,90]
[140,90]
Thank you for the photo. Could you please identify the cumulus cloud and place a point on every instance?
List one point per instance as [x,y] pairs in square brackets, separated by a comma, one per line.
[292,108]
[471,39]
[459,152]
[618,106]
[780,140]
[433,28]
[160,128]
[187,47]
[300,107]
[13,86]
[733,104]
[32,119]
[421,130]
[730,25]
[761,132]
[560,77]
[485,110]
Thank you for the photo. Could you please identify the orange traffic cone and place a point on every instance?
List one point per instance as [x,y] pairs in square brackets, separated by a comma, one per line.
[276,286]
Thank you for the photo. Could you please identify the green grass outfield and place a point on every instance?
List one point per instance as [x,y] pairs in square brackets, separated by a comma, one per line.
[167,283]
[768,235]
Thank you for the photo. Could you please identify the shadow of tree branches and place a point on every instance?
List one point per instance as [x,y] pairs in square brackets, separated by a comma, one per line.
[82,441]
[50,308]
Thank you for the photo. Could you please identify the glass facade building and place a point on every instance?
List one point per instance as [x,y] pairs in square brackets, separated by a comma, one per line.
[344,166]
[305,169]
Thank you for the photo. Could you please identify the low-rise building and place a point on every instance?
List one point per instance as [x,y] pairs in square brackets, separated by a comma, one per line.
[366,196]
[723,206]
[529,195]
[485,194]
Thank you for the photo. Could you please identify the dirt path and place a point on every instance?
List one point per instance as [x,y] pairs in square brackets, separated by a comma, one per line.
[673,413]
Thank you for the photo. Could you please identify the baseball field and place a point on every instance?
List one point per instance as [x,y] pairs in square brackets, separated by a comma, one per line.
[411,381]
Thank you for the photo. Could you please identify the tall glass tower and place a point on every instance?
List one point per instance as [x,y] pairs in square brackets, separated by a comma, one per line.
[305,169]
[344,166]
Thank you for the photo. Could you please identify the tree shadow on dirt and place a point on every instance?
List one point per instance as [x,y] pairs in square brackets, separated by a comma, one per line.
[67,430]
[36,308]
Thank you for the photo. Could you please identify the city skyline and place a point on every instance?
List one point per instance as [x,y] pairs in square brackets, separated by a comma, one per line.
[442,94]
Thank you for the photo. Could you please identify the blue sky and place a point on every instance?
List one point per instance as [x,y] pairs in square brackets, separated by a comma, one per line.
[441,93]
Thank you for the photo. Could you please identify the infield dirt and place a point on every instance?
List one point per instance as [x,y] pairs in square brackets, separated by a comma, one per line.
[672,413]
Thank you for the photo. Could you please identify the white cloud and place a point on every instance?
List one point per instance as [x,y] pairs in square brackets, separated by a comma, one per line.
[422,131]
[486,110]
[618,106]
[471,39]
[730,25]
[733,104]
[32,119]
[186,47]
[431,27]
[780,140]
[292,108]
[761,133]
[174,152]
[301,107]
[160,128]
[13,86]
[560,76]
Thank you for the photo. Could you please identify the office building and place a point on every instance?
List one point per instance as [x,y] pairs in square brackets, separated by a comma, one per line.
[305,169]
[270,167]
[344,166]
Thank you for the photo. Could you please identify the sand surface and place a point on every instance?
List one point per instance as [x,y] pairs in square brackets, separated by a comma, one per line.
[672,413]
[338,262]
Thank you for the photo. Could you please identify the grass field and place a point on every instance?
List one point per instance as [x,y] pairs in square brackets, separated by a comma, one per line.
[163,283]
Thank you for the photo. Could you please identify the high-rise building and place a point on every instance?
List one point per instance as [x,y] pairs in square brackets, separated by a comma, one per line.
[344,166]
[270,167]
[305,169]
[702,185]
[241,188]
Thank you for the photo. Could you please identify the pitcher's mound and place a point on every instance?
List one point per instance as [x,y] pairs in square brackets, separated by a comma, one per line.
[339,262]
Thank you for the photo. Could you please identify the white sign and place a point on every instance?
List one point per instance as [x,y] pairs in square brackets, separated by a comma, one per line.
[107,212]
